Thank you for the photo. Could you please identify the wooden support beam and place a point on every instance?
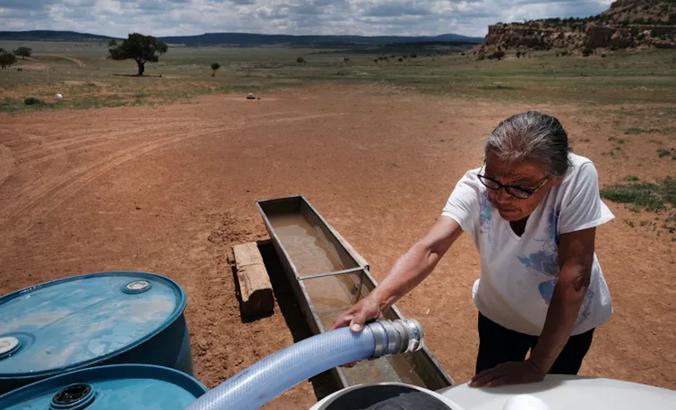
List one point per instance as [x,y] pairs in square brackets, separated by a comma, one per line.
[255,289]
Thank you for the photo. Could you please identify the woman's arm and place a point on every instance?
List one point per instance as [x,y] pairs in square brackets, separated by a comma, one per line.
[576,255]
[408,271]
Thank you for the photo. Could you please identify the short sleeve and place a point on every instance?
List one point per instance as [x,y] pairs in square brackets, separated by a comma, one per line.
[463,203]
[581,206]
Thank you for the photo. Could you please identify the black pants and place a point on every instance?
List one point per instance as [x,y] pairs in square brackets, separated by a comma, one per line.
[498,345]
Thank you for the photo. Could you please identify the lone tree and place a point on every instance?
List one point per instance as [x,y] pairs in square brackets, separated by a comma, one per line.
[7,59]
[142,49]
[23,51]
[214,67]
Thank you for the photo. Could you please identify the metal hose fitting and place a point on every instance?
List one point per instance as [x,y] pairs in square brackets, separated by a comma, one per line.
[396,336]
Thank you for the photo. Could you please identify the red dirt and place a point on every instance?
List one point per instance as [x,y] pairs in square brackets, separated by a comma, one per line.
[170,189]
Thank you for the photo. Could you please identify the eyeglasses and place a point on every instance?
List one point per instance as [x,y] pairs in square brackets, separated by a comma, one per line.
[513,190]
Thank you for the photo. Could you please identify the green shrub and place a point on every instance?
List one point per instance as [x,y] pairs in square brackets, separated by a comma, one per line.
[23,51]
[6,59]
[643,195]
[32,101]
[214,67]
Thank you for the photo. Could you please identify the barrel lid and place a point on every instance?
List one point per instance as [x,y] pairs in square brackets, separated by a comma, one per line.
[81,320]
[130,386]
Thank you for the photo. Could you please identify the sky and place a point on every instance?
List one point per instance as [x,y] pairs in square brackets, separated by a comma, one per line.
[117,18]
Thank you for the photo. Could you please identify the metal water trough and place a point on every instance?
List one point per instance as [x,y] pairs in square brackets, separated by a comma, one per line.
[328,276]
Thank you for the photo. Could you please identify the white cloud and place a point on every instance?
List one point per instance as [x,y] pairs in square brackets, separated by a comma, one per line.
[365,17]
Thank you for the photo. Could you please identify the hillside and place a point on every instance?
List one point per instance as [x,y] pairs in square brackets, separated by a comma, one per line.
[248,39]
[252,40]
[50,35]
[660,12]
[626,24]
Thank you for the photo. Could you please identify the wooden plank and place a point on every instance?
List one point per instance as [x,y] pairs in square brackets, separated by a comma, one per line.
[247,254]
[255,288]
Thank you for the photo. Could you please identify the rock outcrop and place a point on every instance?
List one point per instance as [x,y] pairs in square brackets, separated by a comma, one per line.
[626,24]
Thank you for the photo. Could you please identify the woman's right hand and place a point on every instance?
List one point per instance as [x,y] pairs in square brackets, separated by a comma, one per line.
[361,312]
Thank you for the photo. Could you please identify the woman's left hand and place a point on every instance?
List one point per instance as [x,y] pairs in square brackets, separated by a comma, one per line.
[508,373]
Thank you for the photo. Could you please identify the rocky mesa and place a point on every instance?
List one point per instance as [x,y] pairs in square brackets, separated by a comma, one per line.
[626,24]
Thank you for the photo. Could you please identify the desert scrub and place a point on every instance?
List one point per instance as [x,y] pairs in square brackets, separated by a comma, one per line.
[636,130]
[9,105]
[643,195]
[33,101]
[663,152]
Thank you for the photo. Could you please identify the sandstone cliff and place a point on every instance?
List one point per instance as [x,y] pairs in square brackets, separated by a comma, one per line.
[626,24]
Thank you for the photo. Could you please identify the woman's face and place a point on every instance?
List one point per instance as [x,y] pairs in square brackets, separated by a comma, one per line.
[524,174]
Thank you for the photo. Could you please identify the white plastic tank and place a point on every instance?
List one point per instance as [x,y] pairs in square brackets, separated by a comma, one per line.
[555,392]
[559,392]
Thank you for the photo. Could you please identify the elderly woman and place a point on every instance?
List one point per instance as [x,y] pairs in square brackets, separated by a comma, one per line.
[532,211]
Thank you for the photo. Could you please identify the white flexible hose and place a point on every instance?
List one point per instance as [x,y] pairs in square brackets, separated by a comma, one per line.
[274,374]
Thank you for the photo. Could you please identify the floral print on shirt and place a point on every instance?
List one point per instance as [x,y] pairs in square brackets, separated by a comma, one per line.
[545,262]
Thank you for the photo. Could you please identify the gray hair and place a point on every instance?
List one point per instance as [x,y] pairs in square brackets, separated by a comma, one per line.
[531,136]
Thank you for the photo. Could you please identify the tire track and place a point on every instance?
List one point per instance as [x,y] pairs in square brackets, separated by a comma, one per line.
[40,199]
[273,114]
[61,148]
[60,155]
[26,210]
[307,117]
[73,60]
[7,163]
[85,137]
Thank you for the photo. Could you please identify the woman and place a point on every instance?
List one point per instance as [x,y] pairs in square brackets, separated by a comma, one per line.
[532,210]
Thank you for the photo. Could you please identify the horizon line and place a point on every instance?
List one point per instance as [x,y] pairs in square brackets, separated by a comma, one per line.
[250,33]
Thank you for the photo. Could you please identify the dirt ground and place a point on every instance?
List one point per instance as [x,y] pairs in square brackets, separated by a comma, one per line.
[170,188]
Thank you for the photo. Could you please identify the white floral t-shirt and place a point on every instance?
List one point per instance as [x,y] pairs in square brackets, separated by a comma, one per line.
[518,274]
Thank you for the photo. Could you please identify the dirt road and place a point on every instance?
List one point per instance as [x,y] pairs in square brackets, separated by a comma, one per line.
[170,188]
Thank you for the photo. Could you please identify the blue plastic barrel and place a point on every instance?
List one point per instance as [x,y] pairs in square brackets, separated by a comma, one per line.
[121,386]
[88,320]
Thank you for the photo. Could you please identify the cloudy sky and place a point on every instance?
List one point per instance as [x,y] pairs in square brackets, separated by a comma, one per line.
[363,17]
